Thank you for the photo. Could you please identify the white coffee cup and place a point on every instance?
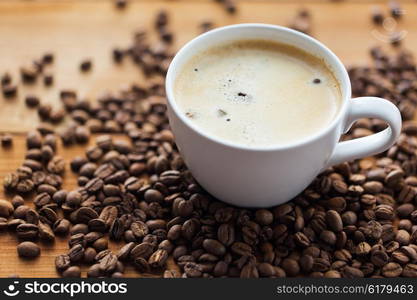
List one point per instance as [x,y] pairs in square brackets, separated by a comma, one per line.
[267,176]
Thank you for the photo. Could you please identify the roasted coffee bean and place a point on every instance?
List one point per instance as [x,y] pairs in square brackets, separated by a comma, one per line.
[94,185]
[153,196]
[124,252]
[6,208]
[44,111]
[76,253]
[158,258]
[171,274]
[328,237]
[27,231]
[48,79]
[116,229]
[97,225]
[28,250]
[28,74]
[379,258]
[61,227]
[73,198]
[242,249]
[100,244]
[56,165]
[193,270]
[85,65]
[351,272]
[42,199]
[89,255]
[405,209]
[392,269]
[84,215]
[94,271]
[25,186]
[77,162]
[410,270]
[141,264]
[72,272]
[33,164]
[6,141]
[301,239]
[402,237]
[22,211]
[47,188]
[190,228]
[174,232]
[10,181]
[249,271]
[33,140]
[377,15]
[6,79]
[182,207]
[94,153]
[266,270]
[139,229]
[82,134]
[226,234]
[62,262]
[47,153]
[120,4]
[13,223]
[17,201]
[319,265]
[9,90]
[30,215]
[108,263]
[144,250]
[78,238]
[290,266]
[93,236]
[214,247]
[45,232]
[264,217]
[109,215]
[334,220]
[363,249]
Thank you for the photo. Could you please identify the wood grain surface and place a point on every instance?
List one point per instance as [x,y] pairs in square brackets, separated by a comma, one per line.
[75,29]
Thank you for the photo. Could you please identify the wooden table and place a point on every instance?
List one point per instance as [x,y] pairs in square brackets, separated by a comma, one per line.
[77,29]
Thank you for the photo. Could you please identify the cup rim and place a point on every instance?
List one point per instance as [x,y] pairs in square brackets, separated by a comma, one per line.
[344,81]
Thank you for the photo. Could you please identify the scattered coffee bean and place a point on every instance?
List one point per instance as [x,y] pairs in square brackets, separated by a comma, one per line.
[6,208]
[32,101]
[86,65]
[395,9]
[28,250]
[9,90]
[72,272]
[377,15]
[121,4]
[48,79]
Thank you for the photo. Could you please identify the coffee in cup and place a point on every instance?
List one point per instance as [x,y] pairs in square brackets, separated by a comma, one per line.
[258,92]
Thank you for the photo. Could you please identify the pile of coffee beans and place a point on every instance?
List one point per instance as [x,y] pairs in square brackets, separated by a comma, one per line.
[356,219]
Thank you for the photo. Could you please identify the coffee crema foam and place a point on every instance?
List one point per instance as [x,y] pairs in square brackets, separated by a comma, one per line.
[257,93]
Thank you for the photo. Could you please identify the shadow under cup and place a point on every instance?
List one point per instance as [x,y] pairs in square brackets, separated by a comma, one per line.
[255,176]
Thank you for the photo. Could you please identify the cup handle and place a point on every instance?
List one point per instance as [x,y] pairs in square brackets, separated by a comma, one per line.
[368,107]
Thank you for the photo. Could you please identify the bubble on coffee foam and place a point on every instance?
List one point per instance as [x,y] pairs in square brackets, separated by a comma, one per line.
[250,134]
[235,90]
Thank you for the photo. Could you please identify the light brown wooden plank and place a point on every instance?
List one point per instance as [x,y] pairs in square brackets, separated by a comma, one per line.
[74,30]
